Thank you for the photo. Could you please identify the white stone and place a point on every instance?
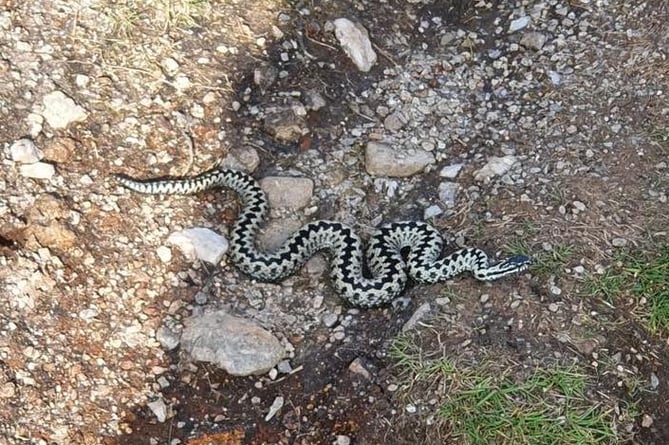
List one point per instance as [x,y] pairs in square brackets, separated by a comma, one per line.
[494,167]
[287,192]
[25,151]
[60,110]
[274,408]
[164,254]
[451,171]
[170,66]
[38,170]
[383,160]
[354,40]
[200,243]
[518,24]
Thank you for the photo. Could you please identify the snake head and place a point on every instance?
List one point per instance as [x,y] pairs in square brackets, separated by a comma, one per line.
[508,266]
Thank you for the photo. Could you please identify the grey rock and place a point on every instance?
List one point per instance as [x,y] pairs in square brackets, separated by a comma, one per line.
[159,409]
[360,366]
[200,243]
[533,40]
[354,40]
[238,346]
[242,158]
[451,171]
[60,110]
[382,160]
[432,211]
[619,242]
[422,311]
[329,319]
[495,166]
[395,120]
[25,151]
[343,440]
[314,100]
[448,192]
[288,192]
[519,23]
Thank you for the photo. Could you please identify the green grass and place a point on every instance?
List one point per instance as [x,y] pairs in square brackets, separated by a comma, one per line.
[642,275]
[545,263]
[488,405]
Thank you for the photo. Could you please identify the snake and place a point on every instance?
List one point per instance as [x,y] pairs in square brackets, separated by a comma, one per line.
[365,278]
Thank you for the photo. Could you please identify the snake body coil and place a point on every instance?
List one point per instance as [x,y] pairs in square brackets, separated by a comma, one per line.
[395,252]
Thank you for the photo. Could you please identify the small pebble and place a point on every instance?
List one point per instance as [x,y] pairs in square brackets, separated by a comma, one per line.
[25,151]
[343,440]
[619,242]
[164,254]
[274,408]
[553,307]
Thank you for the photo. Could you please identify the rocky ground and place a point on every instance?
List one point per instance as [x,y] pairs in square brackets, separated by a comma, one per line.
[534,126]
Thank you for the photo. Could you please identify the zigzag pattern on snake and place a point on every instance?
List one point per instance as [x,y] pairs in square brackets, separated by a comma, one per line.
[395,252]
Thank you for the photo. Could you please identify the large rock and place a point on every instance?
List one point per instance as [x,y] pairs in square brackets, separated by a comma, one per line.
[60,110]
[354,40]
[200,243]
[238,346]
[287,192]
[383,160]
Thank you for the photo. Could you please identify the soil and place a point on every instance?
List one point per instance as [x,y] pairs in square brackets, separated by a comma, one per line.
[65,380]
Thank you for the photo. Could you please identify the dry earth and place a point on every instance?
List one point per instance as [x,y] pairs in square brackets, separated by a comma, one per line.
[168,88]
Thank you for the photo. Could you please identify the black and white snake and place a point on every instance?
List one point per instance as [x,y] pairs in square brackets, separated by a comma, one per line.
[395,252]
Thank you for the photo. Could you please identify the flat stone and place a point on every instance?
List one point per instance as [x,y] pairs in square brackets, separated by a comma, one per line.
[238,346]
[395,121]
[354,40]
[451,171]
[285,125]
[200,243]
[242,158]
[495,166]
[420,313]
[25,151]
[288,192]
[619,242]
[159,409]
[357,366]
[37,170]
[533,40]
[383,160]
[519,23]
[60,110]
[448,192]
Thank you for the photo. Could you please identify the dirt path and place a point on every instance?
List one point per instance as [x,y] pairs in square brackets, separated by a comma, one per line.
[544,126]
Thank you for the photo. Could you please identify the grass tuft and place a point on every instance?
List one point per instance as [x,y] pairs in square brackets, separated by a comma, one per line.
[643,276]
[485,405]
[545,263]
